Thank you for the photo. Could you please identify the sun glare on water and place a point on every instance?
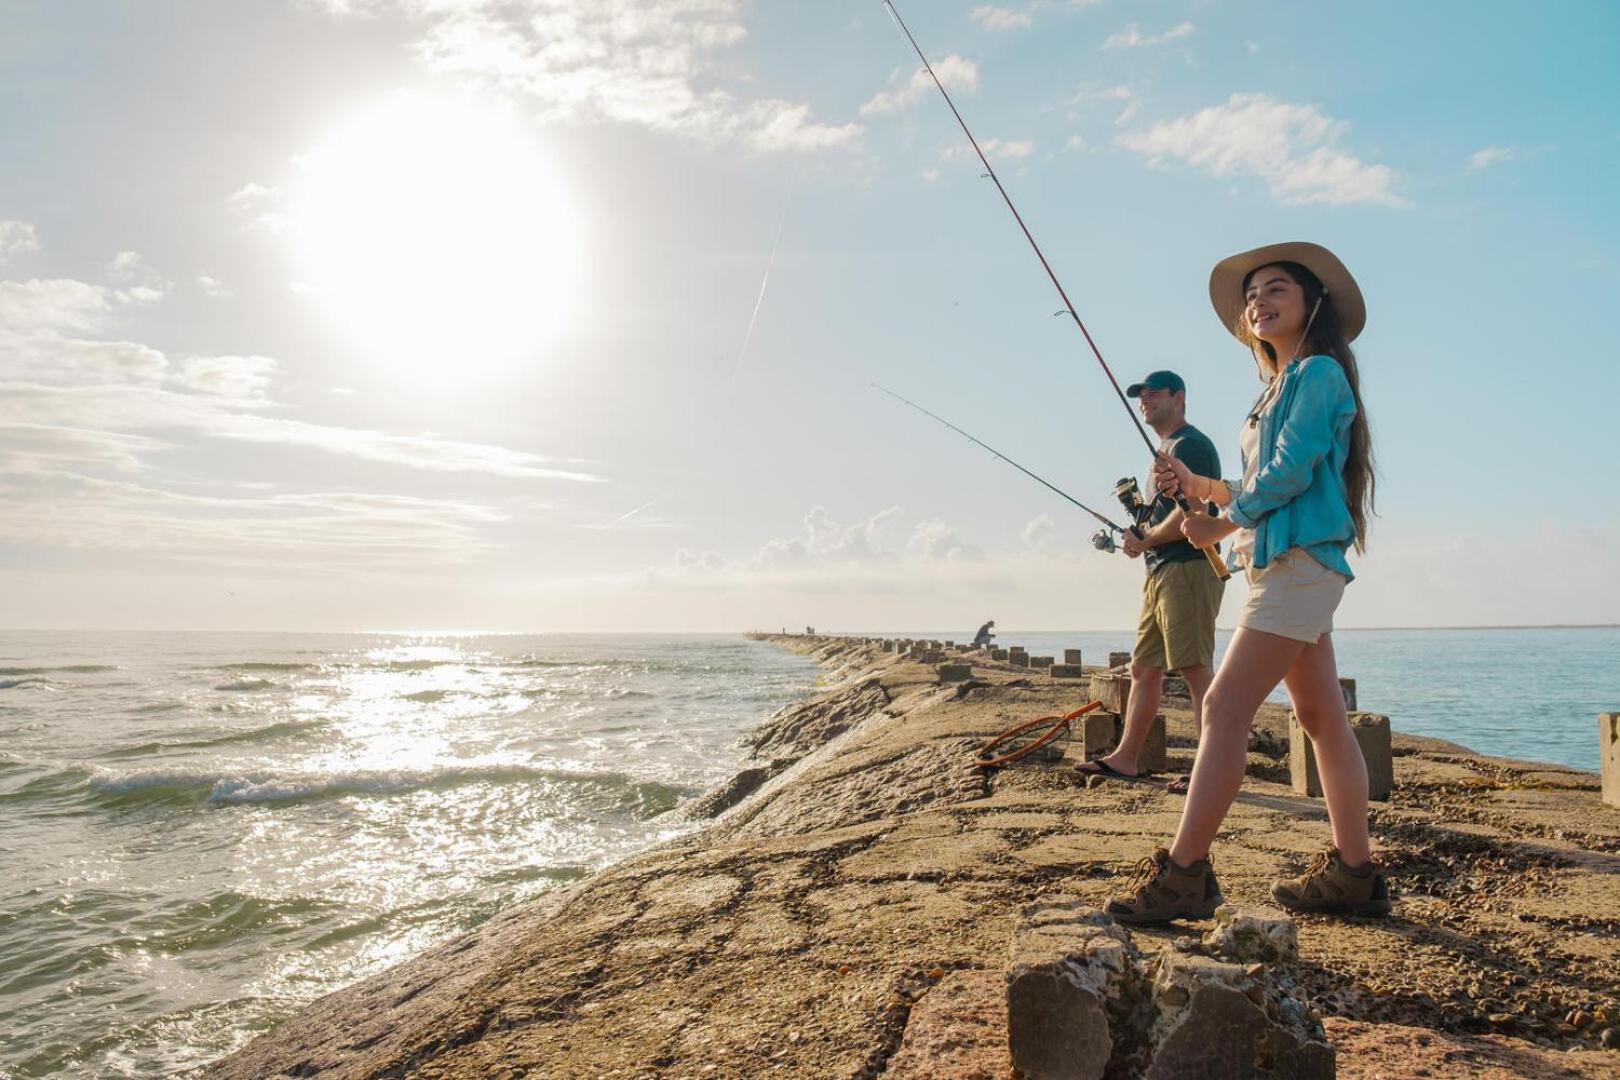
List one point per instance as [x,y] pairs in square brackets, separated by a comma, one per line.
[437,235]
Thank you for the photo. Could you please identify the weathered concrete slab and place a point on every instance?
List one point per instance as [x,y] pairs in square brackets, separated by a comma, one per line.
[1067,671]
[958,1031]
[1372,734]
[1065,962]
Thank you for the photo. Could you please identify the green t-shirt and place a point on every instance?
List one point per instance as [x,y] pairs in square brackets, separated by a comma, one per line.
[1193,447]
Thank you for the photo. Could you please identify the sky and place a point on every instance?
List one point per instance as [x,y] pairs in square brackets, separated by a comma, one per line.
[562,315]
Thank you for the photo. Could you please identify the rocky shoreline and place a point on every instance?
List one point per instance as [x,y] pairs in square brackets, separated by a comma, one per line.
[847,912]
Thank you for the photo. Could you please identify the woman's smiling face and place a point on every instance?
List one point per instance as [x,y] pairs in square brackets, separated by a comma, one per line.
[1274,307]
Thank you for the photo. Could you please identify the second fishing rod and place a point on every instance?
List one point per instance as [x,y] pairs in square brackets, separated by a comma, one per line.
[1212,553]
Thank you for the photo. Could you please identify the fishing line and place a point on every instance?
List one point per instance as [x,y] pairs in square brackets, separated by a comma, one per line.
[999,454]
[1068,306]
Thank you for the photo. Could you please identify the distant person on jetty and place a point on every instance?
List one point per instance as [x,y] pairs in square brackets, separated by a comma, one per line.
[984,636]
[1305,496]
[1181,596]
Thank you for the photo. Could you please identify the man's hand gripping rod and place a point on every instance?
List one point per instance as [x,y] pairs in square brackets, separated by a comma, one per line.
[1212,552]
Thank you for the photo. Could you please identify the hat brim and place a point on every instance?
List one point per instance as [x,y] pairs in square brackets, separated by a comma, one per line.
[1226,283]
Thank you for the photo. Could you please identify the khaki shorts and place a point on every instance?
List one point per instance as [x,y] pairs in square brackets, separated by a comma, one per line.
[1177,628]
[1293,597]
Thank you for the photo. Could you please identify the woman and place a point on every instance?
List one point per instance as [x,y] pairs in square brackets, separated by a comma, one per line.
[1305,496]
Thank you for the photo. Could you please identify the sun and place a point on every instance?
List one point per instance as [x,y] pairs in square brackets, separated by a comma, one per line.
[437,235]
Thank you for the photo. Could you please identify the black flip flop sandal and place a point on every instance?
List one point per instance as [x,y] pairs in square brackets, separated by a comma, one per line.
[1102,768]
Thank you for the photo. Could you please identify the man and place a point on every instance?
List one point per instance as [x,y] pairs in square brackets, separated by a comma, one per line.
[1182,594]
[984,635]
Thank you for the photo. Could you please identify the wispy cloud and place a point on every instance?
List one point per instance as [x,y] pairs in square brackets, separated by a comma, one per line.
[1491,155]
[1019,16]
[654,63]
[59,371]
[1132,37]
[17,238]
[991,17]
[994,149]
[955,73]
[319,532]
[1292,149]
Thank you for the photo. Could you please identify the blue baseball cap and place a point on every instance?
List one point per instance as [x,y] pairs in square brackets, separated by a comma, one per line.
[1158,380]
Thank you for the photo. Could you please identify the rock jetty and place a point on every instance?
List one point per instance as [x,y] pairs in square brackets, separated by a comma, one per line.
[862,901]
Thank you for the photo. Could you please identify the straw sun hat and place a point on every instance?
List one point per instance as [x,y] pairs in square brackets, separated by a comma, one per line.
[1226,282]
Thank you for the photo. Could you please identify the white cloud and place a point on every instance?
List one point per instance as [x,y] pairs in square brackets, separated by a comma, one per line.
[934,540]
[1253,47]
[238,377]
[1491,155]
[58,370]
[1003,18]
[1004,149]
[1040,533]
[652,63]
[1132,38]
[17,238]
[259,205]
[955,73]
[213,287]
[138,280]
[318,532]
[1292,148]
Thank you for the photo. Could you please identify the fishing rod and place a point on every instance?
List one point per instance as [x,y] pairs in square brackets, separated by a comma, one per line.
[1212,552]
[1102,541]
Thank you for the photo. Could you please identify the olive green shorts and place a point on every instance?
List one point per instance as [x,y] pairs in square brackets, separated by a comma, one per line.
[1177,628]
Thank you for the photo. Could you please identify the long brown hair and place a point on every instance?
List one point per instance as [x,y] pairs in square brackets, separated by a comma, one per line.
[1325,335]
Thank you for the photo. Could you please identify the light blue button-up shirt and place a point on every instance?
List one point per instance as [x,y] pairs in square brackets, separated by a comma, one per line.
[1297,497]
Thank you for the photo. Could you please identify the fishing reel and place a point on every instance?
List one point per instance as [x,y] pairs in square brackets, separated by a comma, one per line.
[1103,540]
[1129,495]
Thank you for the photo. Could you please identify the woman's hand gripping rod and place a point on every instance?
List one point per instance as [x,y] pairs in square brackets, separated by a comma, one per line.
[1213,551]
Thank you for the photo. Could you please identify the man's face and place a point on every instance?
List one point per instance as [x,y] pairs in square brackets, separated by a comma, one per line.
[1159,405]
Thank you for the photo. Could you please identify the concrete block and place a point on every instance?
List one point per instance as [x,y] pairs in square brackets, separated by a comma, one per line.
[1347,687]
[1019,659]
[1175,686]
[1066,964]
[1154,756]
[1100,734]
[1072,657]
[1016,649]
[1040,661]
[1214,1019]
[955,672]
[1372,733]
[1113,690]
[1066,671]
[931,656]
[950,644]
[999,654]
[888,646]
[1119,659]
[1609,756]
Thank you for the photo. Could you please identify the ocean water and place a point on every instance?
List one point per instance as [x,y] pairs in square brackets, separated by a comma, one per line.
[1532,693]
[200,833]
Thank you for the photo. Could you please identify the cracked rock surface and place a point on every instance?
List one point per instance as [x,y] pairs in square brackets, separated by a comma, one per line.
[801,932]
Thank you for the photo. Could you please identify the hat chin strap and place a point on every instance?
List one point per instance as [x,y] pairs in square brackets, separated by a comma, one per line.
[1254,350]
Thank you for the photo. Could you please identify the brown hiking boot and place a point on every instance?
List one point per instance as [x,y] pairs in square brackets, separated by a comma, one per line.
[1162,891]
[1331,887]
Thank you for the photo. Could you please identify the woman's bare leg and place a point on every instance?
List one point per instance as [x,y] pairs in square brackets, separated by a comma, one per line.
[1313,686]
[1254,664]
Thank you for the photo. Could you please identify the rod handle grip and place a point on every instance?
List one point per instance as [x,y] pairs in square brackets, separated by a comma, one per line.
[1213,552]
